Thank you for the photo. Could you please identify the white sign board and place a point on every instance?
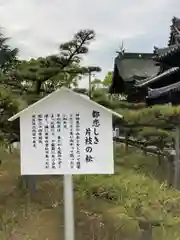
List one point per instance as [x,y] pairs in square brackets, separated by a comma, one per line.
[66,134]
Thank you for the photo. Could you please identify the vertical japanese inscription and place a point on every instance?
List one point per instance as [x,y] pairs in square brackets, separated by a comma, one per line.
[65,121]
[40,129]
[34,131]
[53,154]
[46,140]
[91,136]
[59,140]
[52,124]
[53,142]
[78,163]
[88,145]
[96,125]
[71,141]
[47,133]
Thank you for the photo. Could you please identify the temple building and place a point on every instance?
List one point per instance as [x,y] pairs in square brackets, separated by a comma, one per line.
[153,78]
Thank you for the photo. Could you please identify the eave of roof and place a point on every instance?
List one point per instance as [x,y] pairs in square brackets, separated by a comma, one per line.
[154,93]
[153,79]
[161,53]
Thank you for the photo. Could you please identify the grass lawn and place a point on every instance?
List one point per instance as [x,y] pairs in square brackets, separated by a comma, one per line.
[106,206]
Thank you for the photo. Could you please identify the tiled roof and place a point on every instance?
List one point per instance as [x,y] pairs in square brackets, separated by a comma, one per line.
[154,93]
[136,64]
[175,28]
[152,79]
[176,21]
[164,52]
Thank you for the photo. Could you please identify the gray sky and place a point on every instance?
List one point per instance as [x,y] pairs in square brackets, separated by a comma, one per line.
[37,27]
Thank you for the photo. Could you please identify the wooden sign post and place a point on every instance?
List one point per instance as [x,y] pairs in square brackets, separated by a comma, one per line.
[66,133]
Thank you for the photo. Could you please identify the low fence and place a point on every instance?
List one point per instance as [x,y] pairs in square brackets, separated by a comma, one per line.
[171,154]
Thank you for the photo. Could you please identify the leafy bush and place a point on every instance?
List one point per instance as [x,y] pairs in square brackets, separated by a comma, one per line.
[133,195]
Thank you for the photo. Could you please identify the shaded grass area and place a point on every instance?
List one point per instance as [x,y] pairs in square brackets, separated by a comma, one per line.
[133,196]
[106,206]
[23,216]
[135,159]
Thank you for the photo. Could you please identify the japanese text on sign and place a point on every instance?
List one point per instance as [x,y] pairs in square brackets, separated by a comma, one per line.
[48,130]
[91,136]
[78,164]
[34,131]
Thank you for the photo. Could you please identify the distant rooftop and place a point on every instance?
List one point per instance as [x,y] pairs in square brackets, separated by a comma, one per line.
[136,64]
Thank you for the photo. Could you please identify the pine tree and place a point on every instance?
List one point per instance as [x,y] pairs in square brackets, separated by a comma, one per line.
[9,102]
[38,77]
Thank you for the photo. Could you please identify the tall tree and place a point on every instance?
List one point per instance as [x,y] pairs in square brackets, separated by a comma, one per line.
[9,103]
[37,77]
[8,56]
[44,75]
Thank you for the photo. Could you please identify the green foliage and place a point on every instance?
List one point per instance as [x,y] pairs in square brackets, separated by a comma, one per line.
[132,195]
[101,96]
[8,56]
[162,116]
[106,82]
[143,125]
[108,79]
[9,104]
[35,78]
[44,75]
[137,114]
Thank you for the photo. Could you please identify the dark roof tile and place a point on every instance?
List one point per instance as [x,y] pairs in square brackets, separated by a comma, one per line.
[155,78]
[154,93]
[176,21]
[164,52]
[174,30]
[136,64]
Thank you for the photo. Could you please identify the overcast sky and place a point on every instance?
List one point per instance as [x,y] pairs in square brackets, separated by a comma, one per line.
[37,27]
